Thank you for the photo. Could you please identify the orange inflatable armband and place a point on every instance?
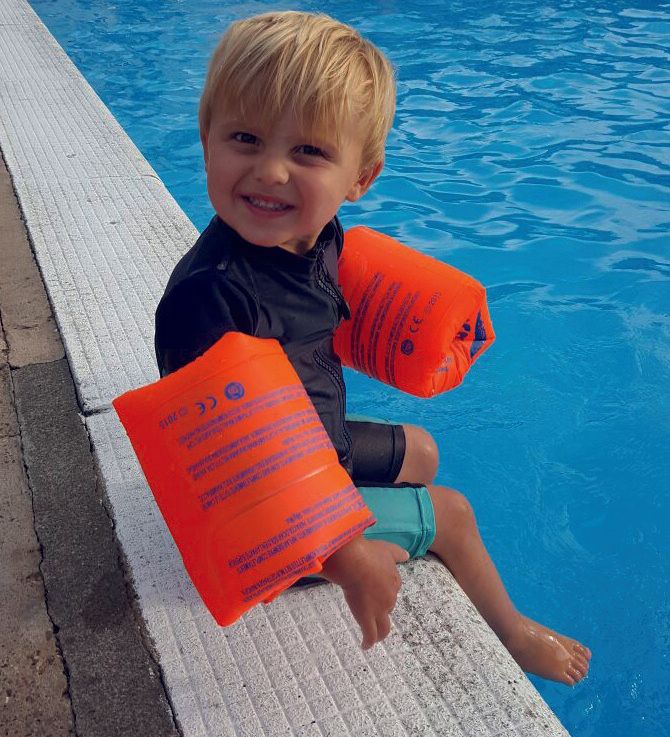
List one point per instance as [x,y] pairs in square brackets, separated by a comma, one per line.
[416,323]
[243,472]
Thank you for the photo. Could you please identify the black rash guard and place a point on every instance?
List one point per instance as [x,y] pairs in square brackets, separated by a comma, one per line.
[225,283]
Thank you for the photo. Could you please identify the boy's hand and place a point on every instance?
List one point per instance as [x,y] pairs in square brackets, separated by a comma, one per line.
[366,571]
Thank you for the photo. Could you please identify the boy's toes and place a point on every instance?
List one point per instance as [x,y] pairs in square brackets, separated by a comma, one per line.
[578,657]
[572,677]
[578,668]
[581,659]
[549,654]
[583,650]
[575,647]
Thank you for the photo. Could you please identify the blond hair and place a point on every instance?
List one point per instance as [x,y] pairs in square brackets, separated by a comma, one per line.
[308,64]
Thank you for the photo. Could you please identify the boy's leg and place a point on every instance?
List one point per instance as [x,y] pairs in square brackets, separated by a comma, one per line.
[383,451]
[421,459]
[418,518]
[458,544]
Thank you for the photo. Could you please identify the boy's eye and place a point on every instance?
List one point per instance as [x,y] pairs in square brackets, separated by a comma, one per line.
[242,137]
[310,150]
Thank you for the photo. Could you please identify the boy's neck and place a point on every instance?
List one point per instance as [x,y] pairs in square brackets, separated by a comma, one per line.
[299,247]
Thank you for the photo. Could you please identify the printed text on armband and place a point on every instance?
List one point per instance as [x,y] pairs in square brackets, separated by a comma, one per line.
[340,494]
[396,330]
[304,562]
[252,440]
[357,345]
[330,504]
[242,412]
[260,470]
[383,311]
[302,532]
[290,453]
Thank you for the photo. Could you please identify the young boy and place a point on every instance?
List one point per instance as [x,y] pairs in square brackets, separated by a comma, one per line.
[293,121]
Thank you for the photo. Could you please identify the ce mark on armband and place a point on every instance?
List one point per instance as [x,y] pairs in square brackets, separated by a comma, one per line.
[209,404]
[233,391]
[416,321]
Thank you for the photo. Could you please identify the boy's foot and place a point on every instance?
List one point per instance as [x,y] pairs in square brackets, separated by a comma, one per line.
[541,651]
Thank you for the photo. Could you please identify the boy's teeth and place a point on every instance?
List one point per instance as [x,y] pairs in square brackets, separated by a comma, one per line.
[267,205]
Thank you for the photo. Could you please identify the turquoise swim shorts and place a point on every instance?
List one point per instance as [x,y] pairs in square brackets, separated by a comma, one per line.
[404,514]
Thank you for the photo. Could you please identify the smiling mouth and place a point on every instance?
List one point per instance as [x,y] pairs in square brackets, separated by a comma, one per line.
[266,205]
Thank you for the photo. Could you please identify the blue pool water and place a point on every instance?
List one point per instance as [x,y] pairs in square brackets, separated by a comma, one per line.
[531,149]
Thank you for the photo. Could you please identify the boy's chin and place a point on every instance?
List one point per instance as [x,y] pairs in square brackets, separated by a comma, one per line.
[251,235]
[270,237]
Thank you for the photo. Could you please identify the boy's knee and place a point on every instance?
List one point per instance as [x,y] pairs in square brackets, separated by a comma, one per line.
[452,510]
[421,456]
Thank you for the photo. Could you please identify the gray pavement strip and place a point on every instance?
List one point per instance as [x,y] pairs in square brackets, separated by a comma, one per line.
[115,685]
[33,687]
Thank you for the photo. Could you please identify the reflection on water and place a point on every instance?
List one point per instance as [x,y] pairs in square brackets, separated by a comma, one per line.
[532,149]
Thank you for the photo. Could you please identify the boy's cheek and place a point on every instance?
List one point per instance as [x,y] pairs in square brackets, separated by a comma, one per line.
[217,200]
[216,185]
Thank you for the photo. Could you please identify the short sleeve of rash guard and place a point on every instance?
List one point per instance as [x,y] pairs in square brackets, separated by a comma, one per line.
[194,314]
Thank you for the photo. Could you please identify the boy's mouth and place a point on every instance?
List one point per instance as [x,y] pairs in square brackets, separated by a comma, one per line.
[266,204]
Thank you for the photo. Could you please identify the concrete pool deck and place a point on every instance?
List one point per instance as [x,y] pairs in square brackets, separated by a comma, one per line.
[100,613]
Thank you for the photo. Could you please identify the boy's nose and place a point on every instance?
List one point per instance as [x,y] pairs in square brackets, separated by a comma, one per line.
[271,170]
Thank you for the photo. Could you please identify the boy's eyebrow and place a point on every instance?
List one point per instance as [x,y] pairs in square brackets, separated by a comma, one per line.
[235,123]
[324,139]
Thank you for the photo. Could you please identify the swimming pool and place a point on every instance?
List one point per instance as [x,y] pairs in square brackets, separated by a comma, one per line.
[531,149]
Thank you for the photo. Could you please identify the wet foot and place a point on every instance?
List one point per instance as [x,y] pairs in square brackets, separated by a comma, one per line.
[541,651]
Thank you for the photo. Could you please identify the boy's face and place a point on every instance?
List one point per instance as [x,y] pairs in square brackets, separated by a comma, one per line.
[277,187]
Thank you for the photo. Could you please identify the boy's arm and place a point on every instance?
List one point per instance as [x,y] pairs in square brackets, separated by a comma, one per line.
[366,571]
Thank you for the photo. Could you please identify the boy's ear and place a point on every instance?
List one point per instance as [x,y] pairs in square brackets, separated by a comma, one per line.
[364,181]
